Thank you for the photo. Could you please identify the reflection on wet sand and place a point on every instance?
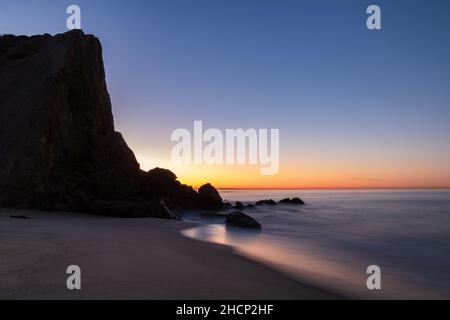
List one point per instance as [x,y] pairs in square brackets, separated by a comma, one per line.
[343,275]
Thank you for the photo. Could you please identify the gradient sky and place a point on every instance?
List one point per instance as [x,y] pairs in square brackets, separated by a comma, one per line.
[355,108]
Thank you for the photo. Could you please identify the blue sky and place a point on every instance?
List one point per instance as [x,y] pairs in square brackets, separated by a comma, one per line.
[310,68]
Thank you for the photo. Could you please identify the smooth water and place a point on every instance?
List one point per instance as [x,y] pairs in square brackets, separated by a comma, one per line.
[334,238]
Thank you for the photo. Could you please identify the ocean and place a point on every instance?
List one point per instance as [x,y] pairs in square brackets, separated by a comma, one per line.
[333,239]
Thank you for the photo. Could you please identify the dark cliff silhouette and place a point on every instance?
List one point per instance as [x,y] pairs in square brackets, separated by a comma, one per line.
[58,147]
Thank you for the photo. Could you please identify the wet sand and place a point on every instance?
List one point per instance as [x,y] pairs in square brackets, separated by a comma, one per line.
[128,259]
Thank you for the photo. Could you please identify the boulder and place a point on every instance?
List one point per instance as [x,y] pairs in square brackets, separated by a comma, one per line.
[209,197]
[239,205]
[266,202]
[296,201]
[239,219]
[163,183]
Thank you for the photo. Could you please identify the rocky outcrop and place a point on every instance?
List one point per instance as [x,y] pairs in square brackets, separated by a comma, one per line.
[241,220]
[58,146]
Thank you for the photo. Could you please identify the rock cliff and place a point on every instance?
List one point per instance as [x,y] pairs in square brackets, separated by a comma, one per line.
[58,146]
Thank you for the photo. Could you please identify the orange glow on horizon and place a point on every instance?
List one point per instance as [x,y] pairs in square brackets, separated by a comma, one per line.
[317,171]
[248,177]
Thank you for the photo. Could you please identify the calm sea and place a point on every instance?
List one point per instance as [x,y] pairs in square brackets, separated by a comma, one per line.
[334,238]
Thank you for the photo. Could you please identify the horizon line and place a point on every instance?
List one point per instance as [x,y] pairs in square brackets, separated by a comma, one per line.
[334,188]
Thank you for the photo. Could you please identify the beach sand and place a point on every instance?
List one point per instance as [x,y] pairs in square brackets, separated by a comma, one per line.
[128,259]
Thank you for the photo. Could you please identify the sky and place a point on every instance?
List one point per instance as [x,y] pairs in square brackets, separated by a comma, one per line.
[356,108]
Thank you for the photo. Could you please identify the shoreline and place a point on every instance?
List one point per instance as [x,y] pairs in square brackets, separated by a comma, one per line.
[145,259]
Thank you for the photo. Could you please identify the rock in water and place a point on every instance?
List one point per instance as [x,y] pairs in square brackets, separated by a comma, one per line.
[269,202]
[239,219]
[296,201]
[58,146]
[239,205]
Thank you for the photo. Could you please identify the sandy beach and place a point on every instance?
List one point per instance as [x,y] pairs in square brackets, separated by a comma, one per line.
[128,259]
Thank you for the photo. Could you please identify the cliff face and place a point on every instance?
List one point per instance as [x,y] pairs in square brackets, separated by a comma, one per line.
[58,146]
